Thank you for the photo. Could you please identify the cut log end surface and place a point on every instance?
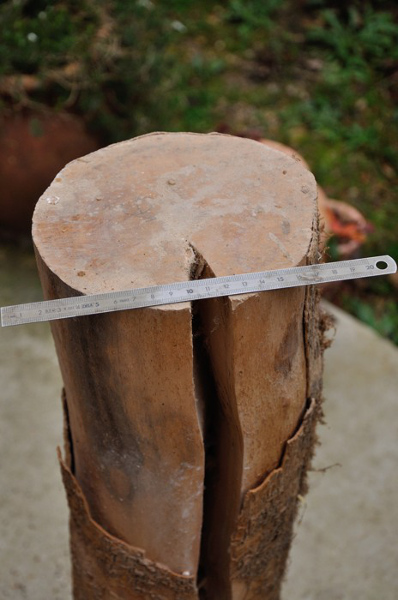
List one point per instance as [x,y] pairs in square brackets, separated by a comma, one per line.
[128,215]
[176,413]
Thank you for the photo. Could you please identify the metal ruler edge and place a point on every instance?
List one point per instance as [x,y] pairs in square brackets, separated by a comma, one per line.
[198,289]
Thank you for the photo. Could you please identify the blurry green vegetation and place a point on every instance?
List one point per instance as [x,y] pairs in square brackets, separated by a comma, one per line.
[319,75]
[375,305]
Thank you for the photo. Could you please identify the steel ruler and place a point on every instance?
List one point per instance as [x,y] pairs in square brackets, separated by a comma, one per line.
[79,306]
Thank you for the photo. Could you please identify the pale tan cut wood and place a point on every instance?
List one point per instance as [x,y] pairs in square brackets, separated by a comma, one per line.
[176,413]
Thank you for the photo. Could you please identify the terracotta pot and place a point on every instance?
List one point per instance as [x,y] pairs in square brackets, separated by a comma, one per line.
[33,149]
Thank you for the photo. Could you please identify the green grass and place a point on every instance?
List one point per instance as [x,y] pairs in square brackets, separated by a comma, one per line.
[320,75]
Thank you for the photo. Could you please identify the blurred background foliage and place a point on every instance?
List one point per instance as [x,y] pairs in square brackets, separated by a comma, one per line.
[318,75]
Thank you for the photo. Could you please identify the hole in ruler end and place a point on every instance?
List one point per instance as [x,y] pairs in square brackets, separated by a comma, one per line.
[381,264]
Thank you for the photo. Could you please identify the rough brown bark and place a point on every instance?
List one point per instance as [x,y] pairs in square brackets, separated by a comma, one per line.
[189,427]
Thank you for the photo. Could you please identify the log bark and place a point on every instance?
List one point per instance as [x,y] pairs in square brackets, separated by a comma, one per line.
[189,428]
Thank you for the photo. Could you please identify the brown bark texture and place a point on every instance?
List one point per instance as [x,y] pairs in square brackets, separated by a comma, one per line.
[189,427]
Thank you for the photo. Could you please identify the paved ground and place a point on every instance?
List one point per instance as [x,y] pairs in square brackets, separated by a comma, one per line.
[346,544]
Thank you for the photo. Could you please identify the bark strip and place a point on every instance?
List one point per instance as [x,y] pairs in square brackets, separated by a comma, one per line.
[106,568]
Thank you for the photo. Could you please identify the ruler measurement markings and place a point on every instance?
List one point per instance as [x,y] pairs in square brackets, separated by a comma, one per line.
[196,289]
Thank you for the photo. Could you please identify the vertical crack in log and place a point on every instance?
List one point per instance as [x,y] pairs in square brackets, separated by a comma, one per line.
[221,434]
[67,434]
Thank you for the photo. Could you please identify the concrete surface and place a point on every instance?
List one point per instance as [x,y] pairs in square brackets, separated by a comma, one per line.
[346,546]
[346,537]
